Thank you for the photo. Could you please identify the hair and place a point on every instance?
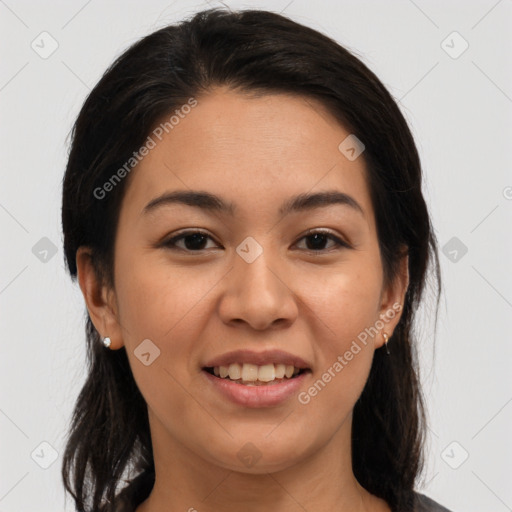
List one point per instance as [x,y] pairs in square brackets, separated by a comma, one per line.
[254,52]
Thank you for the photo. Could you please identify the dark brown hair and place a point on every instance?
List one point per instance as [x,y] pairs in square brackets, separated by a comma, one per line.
[257,52]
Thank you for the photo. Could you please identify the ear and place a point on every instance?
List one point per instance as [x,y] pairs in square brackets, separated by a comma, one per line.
[100,300]
[393,298]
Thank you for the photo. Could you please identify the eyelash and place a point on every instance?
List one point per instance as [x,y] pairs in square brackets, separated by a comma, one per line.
[340,244]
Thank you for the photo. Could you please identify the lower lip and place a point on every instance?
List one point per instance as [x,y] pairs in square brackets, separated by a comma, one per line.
[257,396]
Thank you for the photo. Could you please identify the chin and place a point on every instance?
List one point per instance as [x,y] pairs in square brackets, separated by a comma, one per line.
[261,455]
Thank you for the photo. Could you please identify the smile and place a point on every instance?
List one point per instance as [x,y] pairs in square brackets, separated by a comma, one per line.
[251,374]
[256,393]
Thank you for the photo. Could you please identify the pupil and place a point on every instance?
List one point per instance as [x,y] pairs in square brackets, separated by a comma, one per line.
[317,237]
[197,238]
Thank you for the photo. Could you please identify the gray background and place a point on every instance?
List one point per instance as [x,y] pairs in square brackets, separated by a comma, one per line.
[459,107]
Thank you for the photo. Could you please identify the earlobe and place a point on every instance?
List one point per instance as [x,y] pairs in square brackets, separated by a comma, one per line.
[393,300]
[98,298]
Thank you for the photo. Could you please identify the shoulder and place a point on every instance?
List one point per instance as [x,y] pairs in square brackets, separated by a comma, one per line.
[425,504]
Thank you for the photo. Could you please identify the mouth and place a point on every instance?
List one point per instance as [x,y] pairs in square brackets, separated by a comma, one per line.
[243,385]
[254,375]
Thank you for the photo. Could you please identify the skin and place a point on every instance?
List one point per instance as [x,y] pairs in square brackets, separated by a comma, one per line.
[255,152]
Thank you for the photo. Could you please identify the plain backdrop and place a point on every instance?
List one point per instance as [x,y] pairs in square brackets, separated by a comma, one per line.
[448,65]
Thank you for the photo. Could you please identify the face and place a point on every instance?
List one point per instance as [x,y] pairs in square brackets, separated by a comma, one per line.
[305,280]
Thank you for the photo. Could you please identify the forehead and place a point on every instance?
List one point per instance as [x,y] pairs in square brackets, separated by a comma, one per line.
[255,151]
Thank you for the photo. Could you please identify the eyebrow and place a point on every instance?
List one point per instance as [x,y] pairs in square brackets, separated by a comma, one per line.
[211,202]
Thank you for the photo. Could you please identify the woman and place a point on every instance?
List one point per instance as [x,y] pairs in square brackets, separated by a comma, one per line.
[242,208]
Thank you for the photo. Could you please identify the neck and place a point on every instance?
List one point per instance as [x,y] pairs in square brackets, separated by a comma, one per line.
[324,480]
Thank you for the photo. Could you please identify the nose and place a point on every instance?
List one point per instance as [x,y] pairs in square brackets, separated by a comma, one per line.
[258,294]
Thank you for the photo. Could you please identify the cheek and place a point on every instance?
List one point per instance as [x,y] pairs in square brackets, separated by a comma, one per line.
[169,306]
[348,301]
[155,298]
[347,306]
[330,398]
[345,352]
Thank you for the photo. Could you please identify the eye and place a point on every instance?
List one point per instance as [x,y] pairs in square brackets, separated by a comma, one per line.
[318,238]
[194,241]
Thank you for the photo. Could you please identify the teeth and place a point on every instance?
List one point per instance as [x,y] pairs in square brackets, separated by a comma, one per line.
[249,372]
[266,373]
[235,371]
[280,371]
[253,373]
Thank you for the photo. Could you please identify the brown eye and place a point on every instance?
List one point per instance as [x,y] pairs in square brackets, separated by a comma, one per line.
[194,241]
[316,241]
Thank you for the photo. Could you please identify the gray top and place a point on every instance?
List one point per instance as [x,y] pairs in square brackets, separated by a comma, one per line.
[426,504]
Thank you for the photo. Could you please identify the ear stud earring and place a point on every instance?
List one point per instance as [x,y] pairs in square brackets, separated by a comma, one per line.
[386,339]
[107,341]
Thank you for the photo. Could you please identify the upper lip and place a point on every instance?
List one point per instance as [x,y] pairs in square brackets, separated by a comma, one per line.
[258,358]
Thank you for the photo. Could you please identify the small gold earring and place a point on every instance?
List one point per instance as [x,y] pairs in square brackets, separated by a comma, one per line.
[386,339]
